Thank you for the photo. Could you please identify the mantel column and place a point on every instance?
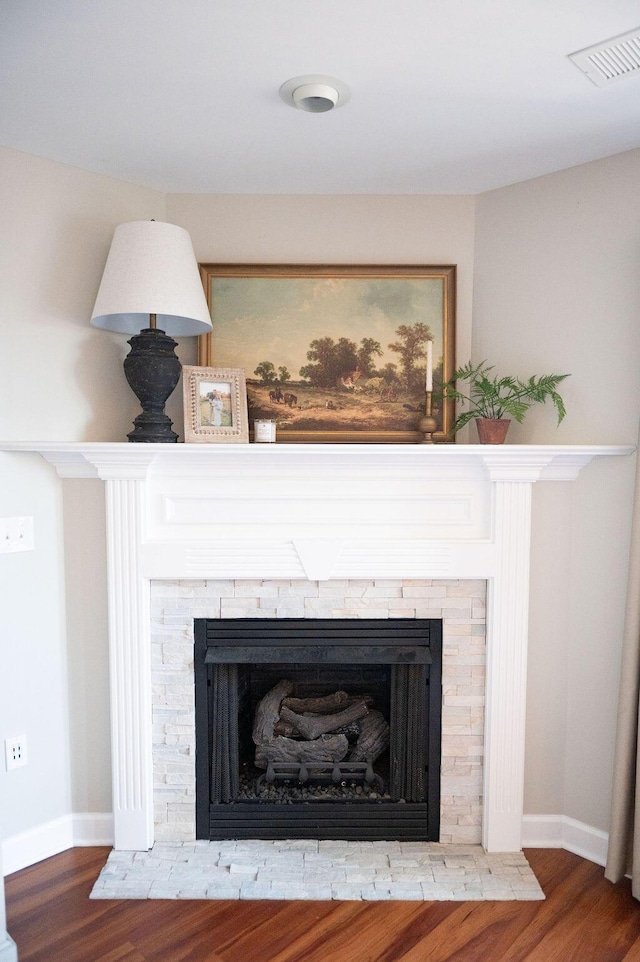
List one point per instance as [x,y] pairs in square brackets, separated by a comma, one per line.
[507,628]
[129,667]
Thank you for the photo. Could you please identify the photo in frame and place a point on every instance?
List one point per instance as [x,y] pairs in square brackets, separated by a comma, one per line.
[215,405]
[335,353]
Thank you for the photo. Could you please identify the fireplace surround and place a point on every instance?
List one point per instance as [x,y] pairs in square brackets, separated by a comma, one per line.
[203,514]
[459,606]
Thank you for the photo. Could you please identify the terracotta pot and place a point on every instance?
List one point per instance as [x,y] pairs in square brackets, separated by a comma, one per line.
[492,430]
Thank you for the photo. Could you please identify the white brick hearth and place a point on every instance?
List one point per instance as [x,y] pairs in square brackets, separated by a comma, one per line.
[303,869]
[460,604]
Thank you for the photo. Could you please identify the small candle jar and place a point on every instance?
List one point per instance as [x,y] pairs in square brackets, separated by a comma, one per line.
[264,431]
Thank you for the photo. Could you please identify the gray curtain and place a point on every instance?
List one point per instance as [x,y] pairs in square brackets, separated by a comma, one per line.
[623,856]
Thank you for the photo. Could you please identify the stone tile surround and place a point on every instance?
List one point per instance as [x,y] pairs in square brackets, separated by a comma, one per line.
[301,869]
[460,604]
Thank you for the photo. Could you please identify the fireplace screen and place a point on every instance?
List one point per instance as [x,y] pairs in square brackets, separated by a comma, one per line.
[318,728]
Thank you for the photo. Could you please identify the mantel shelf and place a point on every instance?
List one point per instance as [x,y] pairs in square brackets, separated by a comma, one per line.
[509,462]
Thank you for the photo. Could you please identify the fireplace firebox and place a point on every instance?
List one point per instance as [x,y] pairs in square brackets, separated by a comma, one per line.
[318,728]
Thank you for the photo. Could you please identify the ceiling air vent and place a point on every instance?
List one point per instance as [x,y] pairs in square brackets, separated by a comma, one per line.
[610,60]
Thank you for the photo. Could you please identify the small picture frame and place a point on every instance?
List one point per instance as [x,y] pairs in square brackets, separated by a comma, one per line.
[215,405]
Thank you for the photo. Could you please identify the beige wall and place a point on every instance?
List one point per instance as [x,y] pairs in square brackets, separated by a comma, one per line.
[557,288]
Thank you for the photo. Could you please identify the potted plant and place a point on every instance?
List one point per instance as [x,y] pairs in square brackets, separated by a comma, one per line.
[492,401]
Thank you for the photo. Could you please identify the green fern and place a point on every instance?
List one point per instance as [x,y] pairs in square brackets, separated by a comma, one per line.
[505,397]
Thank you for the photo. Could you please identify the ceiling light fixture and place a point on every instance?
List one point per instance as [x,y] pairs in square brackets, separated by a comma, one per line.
[315,93]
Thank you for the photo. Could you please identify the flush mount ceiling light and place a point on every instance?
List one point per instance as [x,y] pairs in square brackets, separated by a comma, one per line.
[314,93]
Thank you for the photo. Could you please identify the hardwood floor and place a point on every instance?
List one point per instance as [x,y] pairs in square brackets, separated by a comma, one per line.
[583,918]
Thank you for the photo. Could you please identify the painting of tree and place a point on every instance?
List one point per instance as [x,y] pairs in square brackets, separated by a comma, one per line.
[334,353]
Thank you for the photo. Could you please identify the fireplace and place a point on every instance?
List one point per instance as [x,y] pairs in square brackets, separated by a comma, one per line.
[318,728]
[328,514]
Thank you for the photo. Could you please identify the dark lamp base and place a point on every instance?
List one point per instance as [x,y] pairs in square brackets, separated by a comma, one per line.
[152,369]
[152,428]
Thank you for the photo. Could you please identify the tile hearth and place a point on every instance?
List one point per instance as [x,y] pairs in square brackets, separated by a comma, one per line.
[317,870]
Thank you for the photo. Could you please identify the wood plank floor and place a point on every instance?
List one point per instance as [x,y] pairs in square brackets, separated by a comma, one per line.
[583,918]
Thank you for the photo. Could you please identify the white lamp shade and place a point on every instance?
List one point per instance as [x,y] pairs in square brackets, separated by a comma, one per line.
[151,269]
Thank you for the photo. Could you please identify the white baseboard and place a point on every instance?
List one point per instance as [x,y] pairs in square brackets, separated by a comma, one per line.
[43,841]
[96,828]
[92,828]
[560,831]
[8,949]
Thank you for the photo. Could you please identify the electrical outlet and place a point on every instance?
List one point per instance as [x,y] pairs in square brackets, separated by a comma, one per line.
[15,752]
[16,534]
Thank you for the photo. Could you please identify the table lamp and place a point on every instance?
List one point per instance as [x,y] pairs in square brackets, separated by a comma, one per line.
[151,288]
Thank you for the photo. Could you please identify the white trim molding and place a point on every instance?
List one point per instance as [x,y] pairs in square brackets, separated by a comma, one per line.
[560,831]
[516,462]
[507,636]
[129,666]
[42,841]
[92,828]
[8,949]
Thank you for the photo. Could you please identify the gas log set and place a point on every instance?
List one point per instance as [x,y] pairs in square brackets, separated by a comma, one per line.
[326,739]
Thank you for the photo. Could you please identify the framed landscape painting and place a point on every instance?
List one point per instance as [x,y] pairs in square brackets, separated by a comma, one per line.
[334,353]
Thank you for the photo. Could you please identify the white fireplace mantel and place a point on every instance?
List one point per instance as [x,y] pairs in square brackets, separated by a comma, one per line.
[531,462]
[318,511]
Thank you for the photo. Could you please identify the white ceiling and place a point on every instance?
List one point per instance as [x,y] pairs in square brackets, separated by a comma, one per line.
[447,96]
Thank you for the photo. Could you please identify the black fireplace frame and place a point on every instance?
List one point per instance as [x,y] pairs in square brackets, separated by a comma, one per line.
[399,643]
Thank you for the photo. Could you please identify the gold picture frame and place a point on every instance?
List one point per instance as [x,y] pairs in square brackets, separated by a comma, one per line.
[335,353]
[215,405]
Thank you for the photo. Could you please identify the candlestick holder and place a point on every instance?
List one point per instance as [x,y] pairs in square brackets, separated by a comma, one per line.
[427,423]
